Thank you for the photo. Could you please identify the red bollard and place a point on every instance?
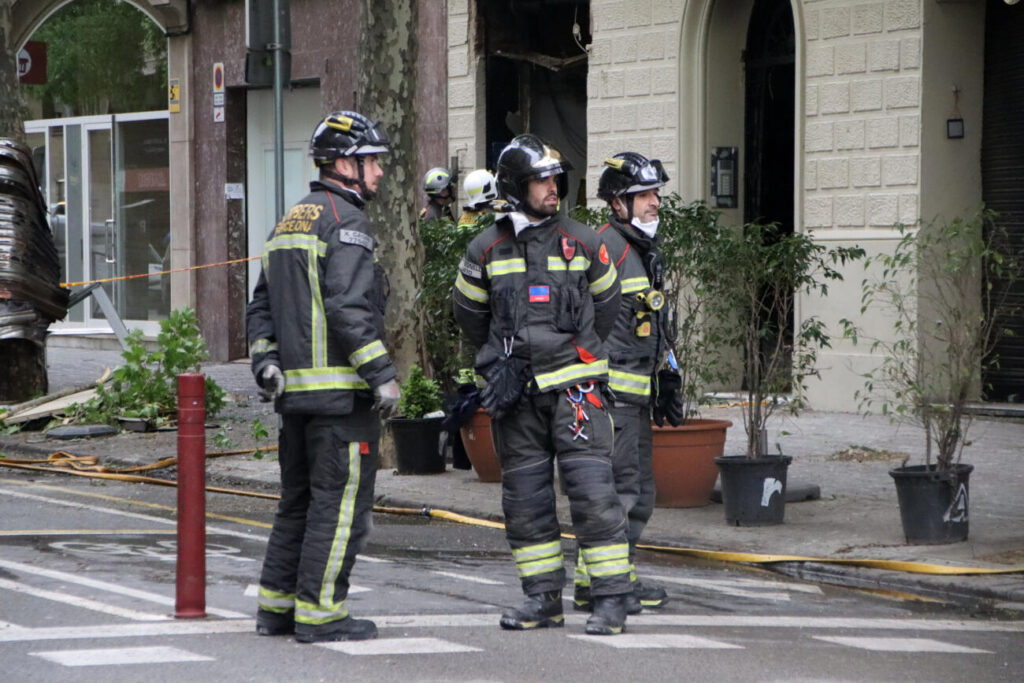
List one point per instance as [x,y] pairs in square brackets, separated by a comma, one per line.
[191,583]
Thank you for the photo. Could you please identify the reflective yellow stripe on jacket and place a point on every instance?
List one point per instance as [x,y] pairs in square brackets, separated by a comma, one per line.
[571,373]
[314,379]
[604,282]
[629,383]
[360,357]
[506,267]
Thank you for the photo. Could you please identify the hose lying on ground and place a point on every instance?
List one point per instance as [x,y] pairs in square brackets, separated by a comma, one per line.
[63,462]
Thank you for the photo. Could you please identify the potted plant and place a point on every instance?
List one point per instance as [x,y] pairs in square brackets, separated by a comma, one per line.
[417,430]
[444,243]
[753,275]
[683,456]
[945,287]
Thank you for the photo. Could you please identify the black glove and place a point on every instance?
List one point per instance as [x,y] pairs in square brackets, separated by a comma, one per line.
[461,407]
[506,383]
[668,403]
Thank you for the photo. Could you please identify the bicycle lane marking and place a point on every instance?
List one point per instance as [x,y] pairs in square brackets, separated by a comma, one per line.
[109,587]
[130,515]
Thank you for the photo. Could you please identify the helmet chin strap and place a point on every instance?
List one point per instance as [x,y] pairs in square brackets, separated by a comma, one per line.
[364,192]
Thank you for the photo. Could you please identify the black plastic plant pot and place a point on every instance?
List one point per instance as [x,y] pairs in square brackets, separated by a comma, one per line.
[754,489]
[933,503]
[417,448]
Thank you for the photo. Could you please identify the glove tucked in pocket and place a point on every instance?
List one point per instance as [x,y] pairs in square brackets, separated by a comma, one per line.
[506,383]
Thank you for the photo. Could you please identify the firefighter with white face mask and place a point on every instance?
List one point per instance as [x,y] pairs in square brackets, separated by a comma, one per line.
[641,365]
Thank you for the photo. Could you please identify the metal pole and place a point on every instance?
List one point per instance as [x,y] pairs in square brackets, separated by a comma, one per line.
[190,599]
[278,51]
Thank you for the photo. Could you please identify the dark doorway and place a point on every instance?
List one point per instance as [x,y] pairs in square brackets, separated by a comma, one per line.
[1002,177]
[536,71]
[770,61]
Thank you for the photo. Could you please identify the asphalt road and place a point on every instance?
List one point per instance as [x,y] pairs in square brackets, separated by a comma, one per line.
[87,586]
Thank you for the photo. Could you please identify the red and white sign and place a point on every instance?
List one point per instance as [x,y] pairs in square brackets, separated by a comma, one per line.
[32,63]
[218,77]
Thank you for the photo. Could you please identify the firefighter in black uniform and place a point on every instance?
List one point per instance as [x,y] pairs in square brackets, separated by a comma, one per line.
[438,184]
[642,369]
[537,293]
[316,330]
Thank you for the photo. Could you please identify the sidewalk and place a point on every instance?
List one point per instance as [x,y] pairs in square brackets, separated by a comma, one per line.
[856,517]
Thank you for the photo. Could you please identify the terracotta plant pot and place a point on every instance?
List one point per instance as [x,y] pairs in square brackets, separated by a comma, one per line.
[476,437]
[684,462]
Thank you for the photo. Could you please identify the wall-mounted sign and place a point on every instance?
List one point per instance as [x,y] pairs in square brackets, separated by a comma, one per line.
[32,63]
[218,77]
[174,95]
[218,114]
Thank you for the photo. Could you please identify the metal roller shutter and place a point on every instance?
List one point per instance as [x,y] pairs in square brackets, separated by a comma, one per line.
[1002,166]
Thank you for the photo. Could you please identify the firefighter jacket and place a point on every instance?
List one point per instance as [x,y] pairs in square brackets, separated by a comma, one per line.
[547,296]
[433,211]
[318,308]
[638,341]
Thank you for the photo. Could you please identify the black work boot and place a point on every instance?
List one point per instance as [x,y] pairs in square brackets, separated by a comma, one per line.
[275,623]
[582,602]
[609,617]
[650,596]
[539,611]
[343,629]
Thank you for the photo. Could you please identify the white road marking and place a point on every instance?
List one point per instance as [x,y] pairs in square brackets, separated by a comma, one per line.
[467,577]
[133,515]
[900,644]
[109,587]
[210,626]
[121,655]
[730,621]
[83,603]
[186,627]
[399,646]
[658,640]
[743,588]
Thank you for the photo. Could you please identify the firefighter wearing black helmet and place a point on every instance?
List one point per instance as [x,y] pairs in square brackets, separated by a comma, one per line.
[642,370]
[316,331]
[538,293]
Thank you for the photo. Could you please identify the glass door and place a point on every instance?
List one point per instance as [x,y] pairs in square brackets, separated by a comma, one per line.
[108,190]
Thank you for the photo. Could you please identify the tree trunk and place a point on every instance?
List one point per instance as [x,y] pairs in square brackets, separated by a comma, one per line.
[11,121]
[23,371]
[388,47]
[23,375]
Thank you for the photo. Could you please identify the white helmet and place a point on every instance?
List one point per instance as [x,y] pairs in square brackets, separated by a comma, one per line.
[480,188]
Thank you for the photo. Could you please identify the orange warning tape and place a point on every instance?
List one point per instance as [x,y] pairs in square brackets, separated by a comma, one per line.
[162,272]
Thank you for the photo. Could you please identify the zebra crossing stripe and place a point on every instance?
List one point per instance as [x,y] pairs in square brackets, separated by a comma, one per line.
[629,641]
[900,644]
[399,646]
[121,655]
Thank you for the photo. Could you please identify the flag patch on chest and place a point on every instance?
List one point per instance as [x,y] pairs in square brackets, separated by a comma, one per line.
[539,293]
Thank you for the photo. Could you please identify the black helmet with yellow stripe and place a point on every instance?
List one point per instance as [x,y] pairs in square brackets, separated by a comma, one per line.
[343,134]
[628,173]
[528,158]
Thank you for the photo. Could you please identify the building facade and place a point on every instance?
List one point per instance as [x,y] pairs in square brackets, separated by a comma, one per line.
[216,171]
[839,117]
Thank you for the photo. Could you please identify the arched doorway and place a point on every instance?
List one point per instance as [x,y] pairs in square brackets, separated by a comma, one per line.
[770,59]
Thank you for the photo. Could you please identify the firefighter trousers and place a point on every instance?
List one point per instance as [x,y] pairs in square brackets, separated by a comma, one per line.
[528,442]
[634,476]
[322,520]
